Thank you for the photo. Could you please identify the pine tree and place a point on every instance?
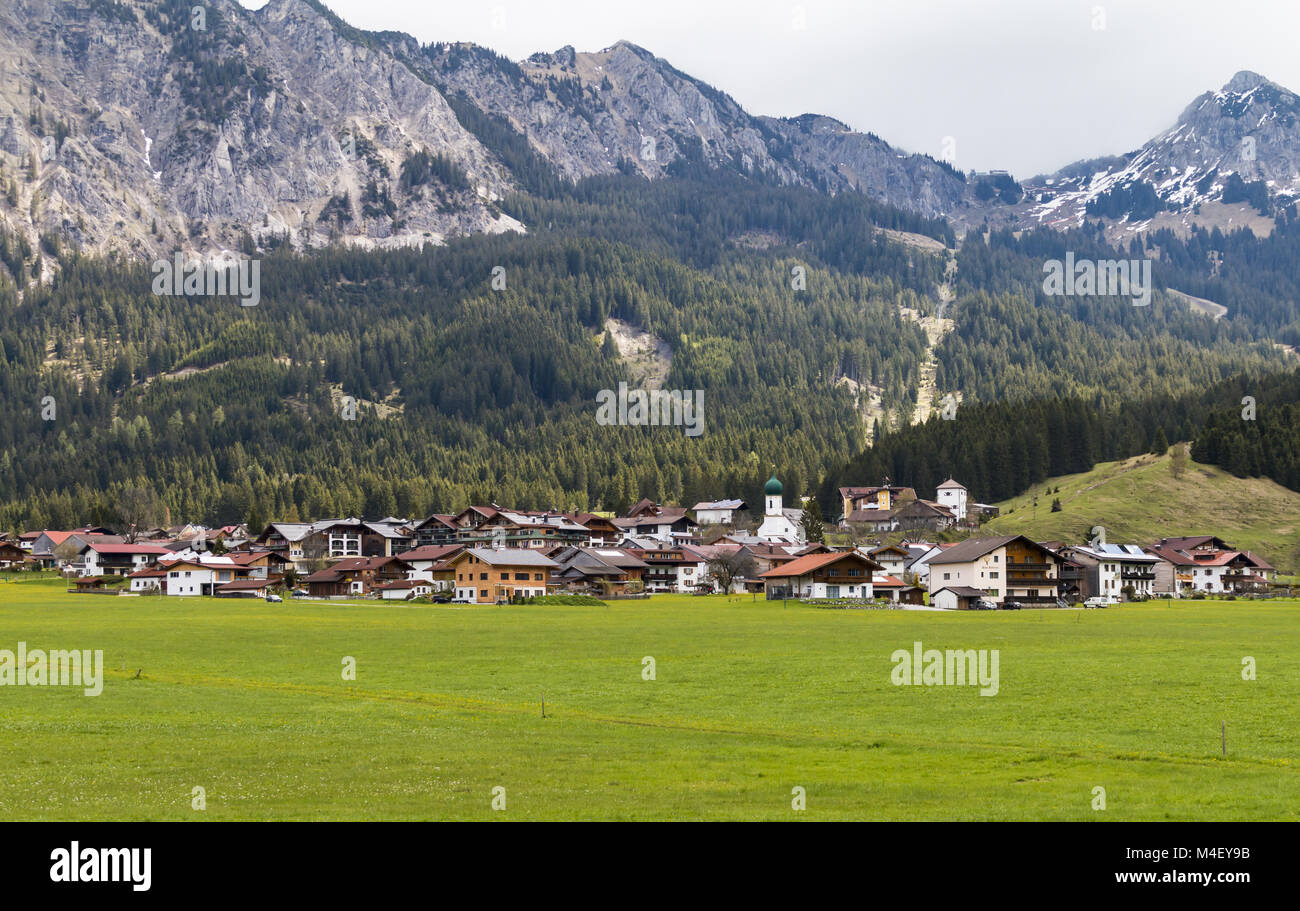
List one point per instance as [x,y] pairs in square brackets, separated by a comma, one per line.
[1161,444]
[814,528]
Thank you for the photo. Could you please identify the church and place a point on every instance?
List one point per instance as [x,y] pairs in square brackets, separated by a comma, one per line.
[780,526]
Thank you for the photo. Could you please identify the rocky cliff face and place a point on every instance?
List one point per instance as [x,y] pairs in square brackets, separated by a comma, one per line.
[847,160]
[622,108]
[148,126]
[140,128]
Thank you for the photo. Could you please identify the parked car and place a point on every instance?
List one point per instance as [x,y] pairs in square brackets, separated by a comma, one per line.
[983,604]
[300,593]
[274,599]
[442,599]
[1099,601]
[1011,605]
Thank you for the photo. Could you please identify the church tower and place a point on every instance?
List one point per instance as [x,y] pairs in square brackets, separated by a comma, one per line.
[777,527]
[772,490]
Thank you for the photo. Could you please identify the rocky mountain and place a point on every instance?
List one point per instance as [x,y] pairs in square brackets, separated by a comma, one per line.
[146,126]
[623,109]
[140,127]
[1238,147]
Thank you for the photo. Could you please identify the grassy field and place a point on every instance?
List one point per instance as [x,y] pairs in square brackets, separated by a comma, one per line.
[1139,500]
[750,700]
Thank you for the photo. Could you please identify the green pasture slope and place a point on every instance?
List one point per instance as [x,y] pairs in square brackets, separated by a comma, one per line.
[751,699]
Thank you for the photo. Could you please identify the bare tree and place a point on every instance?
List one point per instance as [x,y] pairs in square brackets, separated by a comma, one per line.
[1178,460]
[67,552]
[137,508]
[726,568]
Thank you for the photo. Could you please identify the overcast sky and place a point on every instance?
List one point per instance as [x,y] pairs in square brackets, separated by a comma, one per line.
[1024,85]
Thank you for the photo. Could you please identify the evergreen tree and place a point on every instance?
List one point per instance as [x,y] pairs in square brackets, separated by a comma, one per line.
[814,528]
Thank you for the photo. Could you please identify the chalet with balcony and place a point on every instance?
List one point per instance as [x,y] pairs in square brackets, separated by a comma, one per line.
[429,564]
[261,564]
[602,570]
[519,528]
[12,556]
[892,558]
[109,559]
[883,497]
[1004,567]
[1209,564]
[838,574]
[1108,569]
[495,575]
[671,569]
[435,531]
[356,576]
[666,524]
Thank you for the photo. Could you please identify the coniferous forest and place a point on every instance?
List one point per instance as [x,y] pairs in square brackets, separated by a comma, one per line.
[474,366]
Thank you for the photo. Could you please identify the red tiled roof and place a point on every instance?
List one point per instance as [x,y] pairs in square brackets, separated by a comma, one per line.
[1259,562]
[812,562]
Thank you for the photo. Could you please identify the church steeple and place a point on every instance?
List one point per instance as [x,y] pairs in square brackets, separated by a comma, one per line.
[776,527]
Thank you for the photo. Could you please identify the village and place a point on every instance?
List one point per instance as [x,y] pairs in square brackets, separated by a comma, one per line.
[494,555]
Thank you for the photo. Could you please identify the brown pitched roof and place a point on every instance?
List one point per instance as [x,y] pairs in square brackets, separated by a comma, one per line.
[924,509]
[962,591]
[872,515]
[974,548]
[431,552]
[360,564]
[813,562]
[244,585]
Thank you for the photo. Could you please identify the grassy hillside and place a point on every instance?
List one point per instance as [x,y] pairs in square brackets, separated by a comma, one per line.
[1139,500]
[749,700]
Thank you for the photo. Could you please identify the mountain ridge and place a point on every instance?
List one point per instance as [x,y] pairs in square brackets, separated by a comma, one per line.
[130,129]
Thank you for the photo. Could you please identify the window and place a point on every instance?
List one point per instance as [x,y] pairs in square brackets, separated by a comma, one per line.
[993,575]
[537,577]
[521,577]
[947,576]
[482,577]
[482,593]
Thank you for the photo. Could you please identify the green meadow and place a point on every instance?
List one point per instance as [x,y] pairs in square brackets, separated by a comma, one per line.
[750,700]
